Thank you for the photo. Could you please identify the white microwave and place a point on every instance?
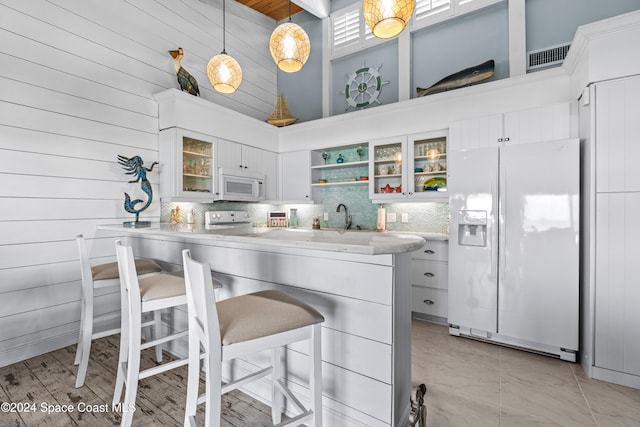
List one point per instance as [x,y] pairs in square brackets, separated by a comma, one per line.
[241,186]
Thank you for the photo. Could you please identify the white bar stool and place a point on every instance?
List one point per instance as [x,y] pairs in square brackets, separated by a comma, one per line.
[244,325]
[148,294]
[96,277]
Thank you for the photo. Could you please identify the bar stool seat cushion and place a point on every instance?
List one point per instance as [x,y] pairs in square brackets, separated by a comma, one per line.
[261,314]
[110,270]
[161,286]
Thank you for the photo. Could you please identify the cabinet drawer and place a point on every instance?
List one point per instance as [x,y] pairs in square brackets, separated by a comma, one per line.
[429,301]
[433,250]
[429,274]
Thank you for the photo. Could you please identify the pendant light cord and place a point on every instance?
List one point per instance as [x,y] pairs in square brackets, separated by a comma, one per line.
[289,10]
[224,25]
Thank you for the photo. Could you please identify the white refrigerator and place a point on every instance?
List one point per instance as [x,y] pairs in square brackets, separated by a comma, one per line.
[514,245]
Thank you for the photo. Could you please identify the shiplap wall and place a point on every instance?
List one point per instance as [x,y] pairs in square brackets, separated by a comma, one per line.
[77,79]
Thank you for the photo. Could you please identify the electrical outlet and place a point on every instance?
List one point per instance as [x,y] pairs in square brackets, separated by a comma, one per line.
[326,216]
[391,217]
[404,217]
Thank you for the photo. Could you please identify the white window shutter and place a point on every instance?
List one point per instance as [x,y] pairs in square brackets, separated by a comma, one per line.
[428,8]
[346,28]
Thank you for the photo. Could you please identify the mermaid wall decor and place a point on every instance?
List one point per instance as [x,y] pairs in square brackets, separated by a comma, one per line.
[135,166]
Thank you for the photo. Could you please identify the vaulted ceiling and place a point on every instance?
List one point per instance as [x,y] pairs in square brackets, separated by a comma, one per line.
[276,9]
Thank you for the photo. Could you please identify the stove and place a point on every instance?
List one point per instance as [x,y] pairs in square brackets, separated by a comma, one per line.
[226,219]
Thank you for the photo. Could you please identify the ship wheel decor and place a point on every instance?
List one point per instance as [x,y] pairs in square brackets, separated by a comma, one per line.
[363,87]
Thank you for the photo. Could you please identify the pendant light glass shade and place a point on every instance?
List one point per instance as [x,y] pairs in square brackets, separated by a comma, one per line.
[387,18]
[223,70]
[290,46]
[224,73]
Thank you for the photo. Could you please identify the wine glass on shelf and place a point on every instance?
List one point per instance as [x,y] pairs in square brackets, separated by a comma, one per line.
[360,152]
[325,157]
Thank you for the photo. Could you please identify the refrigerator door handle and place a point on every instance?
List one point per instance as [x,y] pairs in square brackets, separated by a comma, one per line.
[491,226]
[502,233]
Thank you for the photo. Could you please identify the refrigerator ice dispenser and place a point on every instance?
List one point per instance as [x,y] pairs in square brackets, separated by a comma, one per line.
[472,228]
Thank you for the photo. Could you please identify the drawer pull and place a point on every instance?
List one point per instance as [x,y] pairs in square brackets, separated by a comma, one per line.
[429,251]
[428,302]
[428,274]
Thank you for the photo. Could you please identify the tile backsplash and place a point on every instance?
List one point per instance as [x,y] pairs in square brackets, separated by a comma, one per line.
[431,217]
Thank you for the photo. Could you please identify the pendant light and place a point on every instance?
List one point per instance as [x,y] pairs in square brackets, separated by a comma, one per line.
[387,18]
[223,70]
[290,46]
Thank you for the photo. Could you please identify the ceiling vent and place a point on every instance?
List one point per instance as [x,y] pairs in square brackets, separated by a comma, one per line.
[548,56]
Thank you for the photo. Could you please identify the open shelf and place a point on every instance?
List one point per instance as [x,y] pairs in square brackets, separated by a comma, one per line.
[342,165]
[331,184]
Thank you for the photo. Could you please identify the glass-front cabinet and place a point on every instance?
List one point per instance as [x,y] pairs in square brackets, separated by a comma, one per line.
[197,165]
[428,152]
[407,168]
[187,165]
[386,167]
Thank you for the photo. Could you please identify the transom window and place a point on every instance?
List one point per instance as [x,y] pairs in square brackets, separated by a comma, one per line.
[350,34]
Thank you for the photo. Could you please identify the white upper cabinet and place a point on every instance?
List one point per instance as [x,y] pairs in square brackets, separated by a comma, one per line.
[295,173]
[234,137]
[233,155]
[387,167]
[270,170]
[617,130]
[479,132]
[548,123]
[236,156]
[408,168]
[187,166]
[229,155]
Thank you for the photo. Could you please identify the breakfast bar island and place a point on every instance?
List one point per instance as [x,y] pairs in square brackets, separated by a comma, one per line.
[358,280]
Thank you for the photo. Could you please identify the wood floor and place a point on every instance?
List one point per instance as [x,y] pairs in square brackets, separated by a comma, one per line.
[49,380]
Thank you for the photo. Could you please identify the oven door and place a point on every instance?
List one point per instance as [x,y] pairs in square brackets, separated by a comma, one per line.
[241,186]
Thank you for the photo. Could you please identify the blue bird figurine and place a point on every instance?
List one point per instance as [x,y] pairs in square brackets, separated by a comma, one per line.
[187,82]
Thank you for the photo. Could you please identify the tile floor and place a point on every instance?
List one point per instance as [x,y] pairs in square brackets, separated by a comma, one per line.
[471,383]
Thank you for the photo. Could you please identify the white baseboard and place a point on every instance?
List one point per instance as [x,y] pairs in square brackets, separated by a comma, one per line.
[616,377]
[58,338]
[15,354]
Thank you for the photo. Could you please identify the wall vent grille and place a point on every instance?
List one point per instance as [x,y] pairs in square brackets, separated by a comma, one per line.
[547,56]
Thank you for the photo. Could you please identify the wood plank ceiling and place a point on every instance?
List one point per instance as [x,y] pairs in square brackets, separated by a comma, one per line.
[276,9]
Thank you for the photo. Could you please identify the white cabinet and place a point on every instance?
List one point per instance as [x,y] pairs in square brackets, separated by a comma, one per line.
[229,155]
[479,132]
[408,168]
[187,166]
[610,129]
[617,292]
[270,170]
[548,123]
[429,281]
[233,155]
[617,131]
[295,183]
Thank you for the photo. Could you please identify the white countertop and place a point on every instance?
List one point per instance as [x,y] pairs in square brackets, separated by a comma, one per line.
[425,235]
[360,242]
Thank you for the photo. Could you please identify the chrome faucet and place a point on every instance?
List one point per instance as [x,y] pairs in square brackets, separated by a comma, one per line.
[347,217]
